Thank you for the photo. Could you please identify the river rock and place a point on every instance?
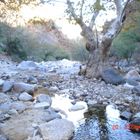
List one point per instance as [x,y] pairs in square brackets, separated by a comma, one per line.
[44,98]
[136,90]
[25,97]
[112,77]
[27,65]
[78,106]
[42,105]
[23,87]
[126,115]
[58,129]
[22,126]
[18,106]
[132,74]
[7,86]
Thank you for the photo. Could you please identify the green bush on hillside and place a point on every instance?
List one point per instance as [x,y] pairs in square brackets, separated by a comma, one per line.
[126,43]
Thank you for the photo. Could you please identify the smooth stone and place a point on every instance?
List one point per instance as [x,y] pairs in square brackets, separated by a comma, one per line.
[42,105]
[44,98]
[126,115]
[23,87]
[25,97]
[58,129]
[7,86]
[78,106]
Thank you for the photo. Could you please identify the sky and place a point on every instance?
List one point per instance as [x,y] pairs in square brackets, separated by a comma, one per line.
[56,12]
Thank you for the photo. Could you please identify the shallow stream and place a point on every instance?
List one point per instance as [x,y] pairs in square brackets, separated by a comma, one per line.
[104,124]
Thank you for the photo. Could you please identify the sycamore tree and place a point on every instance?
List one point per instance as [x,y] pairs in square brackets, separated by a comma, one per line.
[97,44]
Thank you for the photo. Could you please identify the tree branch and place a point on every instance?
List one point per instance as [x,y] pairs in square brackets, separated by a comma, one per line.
[92,21]
[81,9]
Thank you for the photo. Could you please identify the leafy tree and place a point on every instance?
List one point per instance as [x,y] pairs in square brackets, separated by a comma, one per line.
[98,46]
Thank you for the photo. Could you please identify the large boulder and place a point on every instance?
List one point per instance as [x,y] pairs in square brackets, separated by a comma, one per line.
[23,87]
[22,126]
[58,129]
[112,77]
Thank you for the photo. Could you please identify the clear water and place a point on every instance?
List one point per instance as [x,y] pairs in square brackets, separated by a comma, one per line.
[104,125]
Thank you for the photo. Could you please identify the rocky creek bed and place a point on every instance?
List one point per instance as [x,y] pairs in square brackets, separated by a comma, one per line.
[50,101]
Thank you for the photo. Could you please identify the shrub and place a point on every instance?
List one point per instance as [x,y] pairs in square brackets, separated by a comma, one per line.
[125,44]
[78,51]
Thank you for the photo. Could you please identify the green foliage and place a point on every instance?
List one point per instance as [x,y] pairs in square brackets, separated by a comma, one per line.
[78,51]
[126,43]
[14,47]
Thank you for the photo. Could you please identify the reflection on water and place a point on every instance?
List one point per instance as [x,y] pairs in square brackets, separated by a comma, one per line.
[104,125]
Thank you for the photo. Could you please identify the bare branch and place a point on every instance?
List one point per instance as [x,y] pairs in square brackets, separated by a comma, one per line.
[81,9]
[92,21]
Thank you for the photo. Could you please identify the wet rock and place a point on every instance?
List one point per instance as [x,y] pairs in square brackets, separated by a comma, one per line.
[7,86]
[23,87]
[136,90]
[78,106]
[132,74]
[25,97]
[112,77]
[27,65]
[42,105]
[91,103]
[18,106]
[58,129]
[126,115]
[44,98]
